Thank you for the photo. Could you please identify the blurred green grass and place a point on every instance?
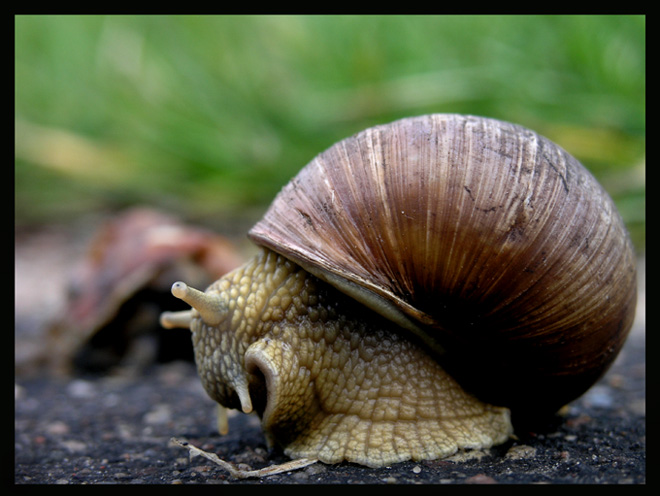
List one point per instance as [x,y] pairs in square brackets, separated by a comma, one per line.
[212,115]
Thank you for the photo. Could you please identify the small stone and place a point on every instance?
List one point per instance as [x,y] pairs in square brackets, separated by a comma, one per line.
[315,469]
[599,396]
[480,479]
[160,414]
[81,389]
[58,428]
[300,475]
[74,446]
[520,452]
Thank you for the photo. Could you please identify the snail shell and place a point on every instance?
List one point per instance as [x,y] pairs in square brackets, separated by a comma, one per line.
[496,273]
[481,236]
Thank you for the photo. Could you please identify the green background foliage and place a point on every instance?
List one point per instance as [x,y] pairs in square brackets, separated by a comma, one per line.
[212,115]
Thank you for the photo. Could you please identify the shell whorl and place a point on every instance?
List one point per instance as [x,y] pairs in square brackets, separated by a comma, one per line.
[483,235]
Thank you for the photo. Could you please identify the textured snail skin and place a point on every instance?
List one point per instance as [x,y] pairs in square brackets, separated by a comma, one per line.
[421,265]
[331,380]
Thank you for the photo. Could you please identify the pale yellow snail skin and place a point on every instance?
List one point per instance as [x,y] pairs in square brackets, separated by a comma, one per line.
[418,282]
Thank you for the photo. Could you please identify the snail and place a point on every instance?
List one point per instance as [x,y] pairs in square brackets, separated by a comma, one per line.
[418,285]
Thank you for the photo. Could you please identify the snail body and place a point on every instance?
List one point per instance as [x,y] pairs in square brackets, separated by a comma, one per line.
[330,380]
[418,282]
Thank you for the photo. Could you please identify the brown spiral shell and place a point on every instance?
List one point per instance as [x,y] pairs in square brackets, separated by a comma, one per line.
[493,241]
